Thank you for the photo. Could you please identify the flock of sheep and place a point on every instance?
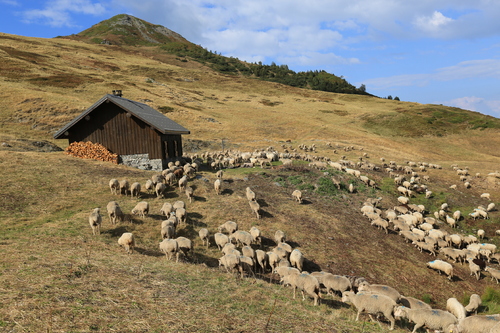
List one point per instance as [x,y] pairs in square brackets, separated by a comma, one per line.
[238,253]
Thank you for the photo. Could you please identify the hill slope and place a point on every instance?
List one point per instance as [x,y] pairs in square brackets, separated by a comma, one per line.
[55,270]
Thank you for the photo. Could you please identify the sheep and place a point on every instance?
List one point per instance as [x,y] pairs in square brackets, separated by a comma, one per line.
[488,246]
[351,188]
[279,236]
[297,195]
[124,186]
[485,196]
[185,246]
[221,240]
[114,186]
[305,283]
[189,193]
[381,224]
[183,183]
[166,209]
[457,215]
[170,247]
[95,221]
[181,214]
[474,303]
[451,221]
[228,226]
[403,200]
[168,231]
[475,269]
[170,179]
[413,303]
[335,283]
[250,194]
[229,248]
[425,246]
[247,251]
[157,178]
[381,290]
[231,262]
[127,241]
[273,260]
[475,324]
[430,318]
[160,189]
[297,259]
[247,264]
[135,189]
[262,259]
[454,254]
[149,186]
[456,308]
[495,273]
[219,174]
[256,235]
[441,266]
[372,304]
[114,212]
[179,204]
[204,236]
[255,207]
[491,207]
[217,186]
[480,234]
[142,208]
[241,237]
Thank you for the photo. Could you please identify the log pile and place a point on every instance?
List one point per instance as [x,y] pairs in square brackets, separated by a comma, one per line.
[91,150]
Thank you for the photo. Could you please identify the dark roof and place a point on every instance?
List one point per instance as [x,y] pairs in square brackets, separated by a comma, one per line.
[142,111]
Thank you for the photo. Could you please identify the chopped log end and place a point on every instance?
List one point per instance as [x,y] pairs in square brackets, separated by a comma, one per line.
[91,150]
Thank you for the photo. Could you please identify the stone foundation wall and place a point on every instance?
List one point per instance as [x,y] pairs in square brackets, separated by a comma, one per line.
[142,161]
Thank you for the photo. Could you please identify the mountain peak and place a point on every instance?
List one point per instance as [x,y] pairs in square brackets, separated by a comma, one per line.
[124,29]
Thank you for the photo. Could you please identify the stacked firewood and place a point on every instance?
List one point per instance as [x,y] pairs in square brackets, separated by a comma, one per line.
[91,150]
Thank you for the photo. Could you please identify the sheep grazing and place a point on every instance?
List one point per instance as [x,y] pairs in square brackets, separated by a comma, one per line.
[486,196]
[279,236]
[160,189]
[166,209]
[219,174]
[241,237]
[168,230]
[231,262]
[380,289]
[135,189]
[229,227]
[305,283]
[441,266]
[179,204]
[221,240]
[373,304]
[255,207]
[250,194]
[183,183]
[351,188]
[475,324]
[142,209]
[170,247]
[204,236]
[491,207]
[297,195]
[335,283]
[217,186]
[256,235]
[430,318]
[456,308]
[262,259]
[114,186]
[95,221]
[127,241]
[124,186]
[149,186]
[474,268]
[297,259]
[413,303]
[480,234]
[185,246]
[495,273]
[114,212]
[474,303]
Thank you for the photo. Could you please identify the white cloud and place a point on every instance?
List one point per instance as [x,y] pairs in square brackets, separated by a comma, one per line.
[432,24]
[473,103]
[57,13]
[10,2]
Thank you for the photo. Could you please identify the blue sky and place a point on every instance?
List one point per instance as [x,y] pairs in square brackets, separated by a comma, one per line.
[427,51]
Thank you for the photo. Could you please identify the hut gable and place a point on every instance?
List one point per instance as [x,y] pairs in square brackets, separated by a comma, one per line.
[126,127]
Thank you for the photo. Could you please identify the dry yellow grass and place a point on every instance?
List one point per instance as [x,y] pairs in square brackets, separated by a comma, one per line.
[56,277]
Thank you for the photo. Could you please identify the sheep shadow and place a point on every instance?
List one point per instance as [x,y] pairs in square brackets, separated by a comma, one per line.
[311,266]
[149,253]
[227,191]
[265,214]
[262,203]
[293,244]
[133,220]
[306,202]
[197,198]
[200,258]
[268,242]
[157,217]
[334,304]
[116,232]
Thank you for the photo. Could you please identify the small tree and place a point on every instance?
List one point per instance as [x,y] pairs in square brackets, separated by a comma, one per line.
[396,98]
[389,97]
[362,88]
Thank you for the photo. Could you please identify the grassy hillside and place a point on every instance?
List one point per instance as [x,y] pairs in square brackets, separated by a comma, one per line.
[56,277]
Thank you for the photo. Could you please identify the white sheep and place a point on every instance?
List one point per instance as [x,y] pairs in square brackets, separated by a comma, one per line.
[179,204]
[441,266]
[495,273]
[189,193]
[204,236]
[185,246]
[221,240]
[475,324]
[297,195]
[142,208]
[217,186]
[231,262]
[432,319]
[183,183]
[229,227]
[262,259]
[486,196]
[168,231]
[250,194]
[219,174]
[273,260]
[241,237]
[256,235]
[160,189]
[297,259]
[480,234]
[335,283]
[413,303]
[491,207]
[229,248]
[166,209]
[255,207]
[135,189]
[474,268]
[279,236]
[456,308]
[115,212]
[181,215]
[127,241]
[403,200]
[380,289]
[305,283]
[95,221]
[373,304]
[170,247]
[114,186]
[149,186]
[474,303]
[124,186]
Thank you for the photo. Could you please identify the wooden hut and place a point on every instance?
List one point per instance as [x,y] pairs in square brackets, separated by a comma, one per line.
[133,130]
